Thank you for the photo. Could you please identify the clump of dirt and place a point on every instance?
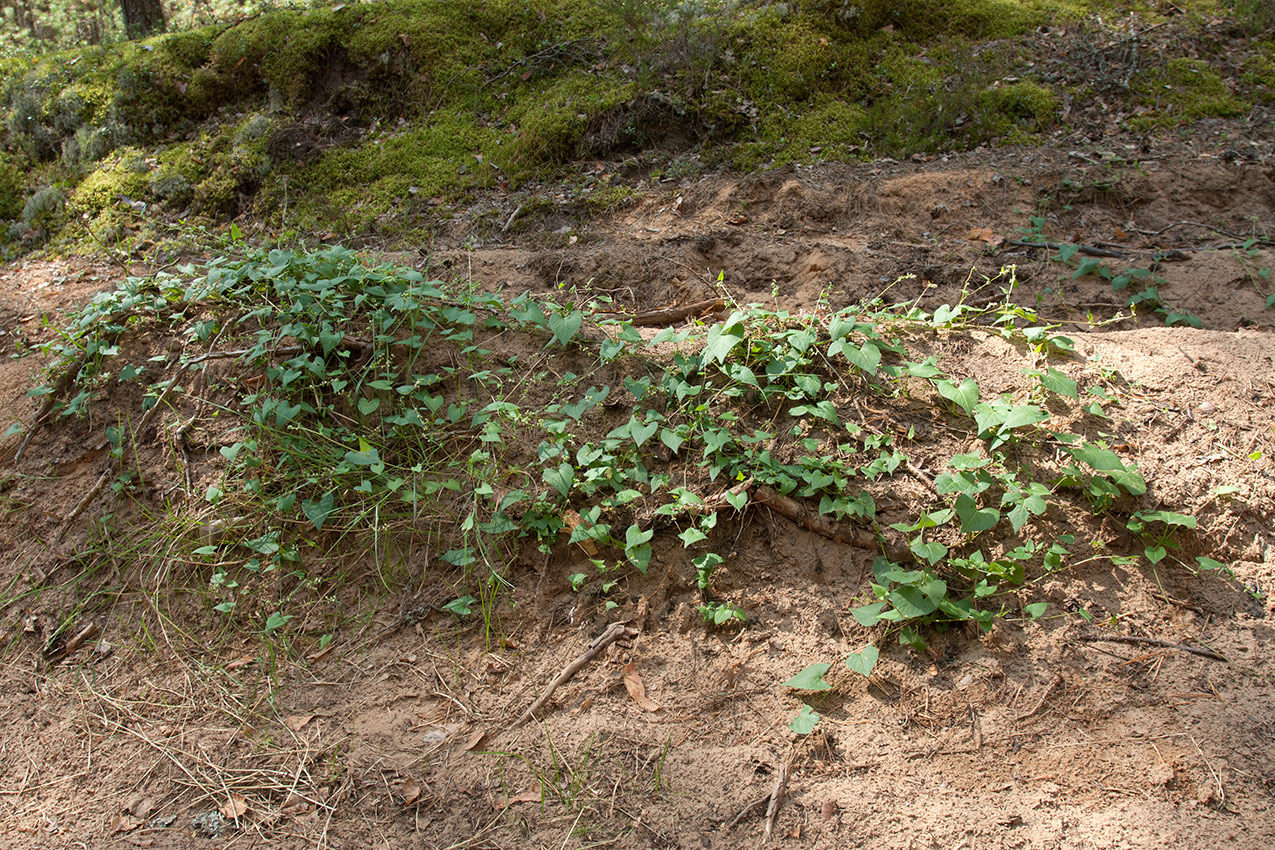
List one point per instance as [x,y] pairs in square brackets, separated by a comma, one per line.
[137,717]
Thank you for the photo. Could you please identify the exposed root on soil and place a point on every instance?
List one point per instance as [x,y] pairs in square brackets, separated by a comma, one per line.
[1149,641]
[45,413]
[672,315]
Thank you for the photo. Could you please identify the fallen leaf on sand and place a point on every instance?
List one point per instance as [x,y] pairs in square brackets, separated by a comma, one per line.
[984,234]
[531,795]
[637,690]
[296,722]
[235,808]
[124,823]
[317,654]
[411,790]
[295,805]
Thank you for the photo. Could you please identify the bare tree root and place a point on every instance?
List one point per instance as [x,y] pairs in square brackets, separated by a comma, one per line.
[45,413]
[113,465]
[822,525]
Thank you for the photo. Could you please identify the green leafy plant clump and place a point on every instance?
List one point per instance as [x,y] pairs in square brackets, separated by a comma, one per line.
[372,408]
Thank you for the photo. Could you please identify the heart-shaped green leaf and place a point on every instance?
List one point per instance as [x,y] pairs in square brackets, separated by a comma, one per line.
[560,478]
[318,510]
[864,660]
[810,679]
[642,432]
[565,326]
[974,520]
[805,721]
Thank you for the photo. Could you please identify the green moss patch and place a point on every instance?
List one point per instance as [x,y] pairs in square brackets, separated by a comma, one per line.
[362,117]
[1182,91]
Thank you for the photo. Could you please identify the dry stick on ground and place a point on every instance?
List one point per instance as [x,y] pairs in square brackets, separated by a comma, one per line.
[1049,689]
[1054,246]
[72,644]
[771,800]
[614,632]
[1146,641]
[743,813]
[348,343]
[776,799]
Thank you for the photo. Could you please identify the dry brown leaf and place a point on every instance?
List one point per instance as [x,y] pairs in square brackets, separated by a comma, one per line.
[411,790]
[637,690]
[295,805]
[235,808]
[570,521]
[124,823]
[319,653]
[475,741]
[984,234]
[297,722]
[531,795]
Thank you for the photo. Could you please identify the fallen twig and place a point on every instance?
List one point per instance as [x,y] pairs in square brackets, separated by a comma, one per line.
[822,525]
[1091,250]
[776,799]
[72,644]
[45,412]
[1049,689]
[349,343]
[809,520]
[513,217]
[613,632]
[112,465]
[743,813]
[1147,641]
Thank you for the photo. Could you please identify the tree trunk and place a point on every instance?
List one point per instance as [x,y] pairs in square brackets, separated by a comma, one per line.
[142,17]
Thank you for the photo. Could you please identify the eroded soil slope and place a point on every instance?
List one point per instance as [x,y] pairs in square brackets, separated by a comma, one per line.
[164,728]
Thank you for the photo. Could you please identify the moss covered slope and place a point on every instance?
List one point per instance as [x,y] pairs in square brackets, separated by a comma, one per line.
[372,118]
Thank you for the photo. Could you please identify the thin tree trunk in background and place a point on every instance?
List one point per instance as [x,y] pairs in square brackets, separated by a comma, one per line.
[142,17]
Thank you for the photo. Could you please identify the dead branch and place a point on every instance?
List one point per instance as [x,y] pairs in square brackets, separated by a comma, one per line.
[1091,250]
[614,632]
[1049,689]
[112,465]
[743,813]
[72,644]
[349,343]
[1147,641]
